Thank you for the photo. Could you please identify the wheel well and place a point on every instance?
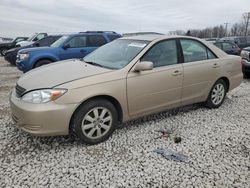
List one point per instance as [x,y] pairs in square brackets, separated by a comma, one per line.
[227,82]
[108,98]
[41,60]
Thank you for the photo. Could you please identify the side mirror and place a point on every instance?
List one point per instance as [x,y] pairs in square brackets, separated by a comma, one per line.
[66,46]
[143,66]
[36,44]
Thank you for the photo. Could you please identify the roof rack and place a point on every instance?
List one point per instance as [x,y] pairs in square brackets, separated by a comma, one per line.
[113,32]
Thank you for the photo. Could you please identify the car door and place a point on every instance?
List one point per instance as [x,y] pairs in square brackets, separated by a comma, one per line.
[159,88]
[74,48]
[201,69]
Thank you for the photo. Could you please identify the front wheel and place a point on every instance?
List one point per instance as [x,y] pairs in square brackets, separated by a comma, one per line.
[217,94]
[95,121]
[42,62]
[3,51]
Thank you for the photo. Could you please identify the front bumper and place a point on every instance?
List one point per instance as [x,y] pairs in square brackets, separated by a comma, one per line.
[11,58]
[48,119]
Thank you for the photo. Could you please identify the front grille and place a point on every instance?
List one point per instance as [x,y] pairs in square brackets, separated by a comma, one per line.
[19,91]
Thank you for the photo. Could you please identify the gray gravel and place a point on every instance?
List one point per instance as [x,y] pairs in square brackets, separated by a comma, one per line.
[217,143]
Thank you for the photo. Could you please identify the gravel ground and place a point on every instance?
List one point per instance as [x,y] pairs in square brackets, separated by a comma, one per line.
[217,143]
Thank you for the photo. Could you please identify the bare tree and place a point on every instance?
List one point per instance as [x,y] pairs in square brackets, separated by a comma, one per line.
[246,19]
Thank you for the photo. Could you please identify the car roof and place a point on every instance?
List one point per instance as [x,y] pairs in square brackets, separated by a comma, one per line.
[156,37]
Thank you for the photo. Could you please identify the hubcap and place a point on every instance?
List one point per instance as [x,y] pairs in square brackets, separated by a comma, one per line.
[218,94]
[97,122]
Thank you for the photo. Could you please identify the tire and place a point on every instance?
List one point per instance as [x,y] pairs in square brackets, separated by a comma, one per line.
[42,62]
[94,121]
[218,91]
[3,51]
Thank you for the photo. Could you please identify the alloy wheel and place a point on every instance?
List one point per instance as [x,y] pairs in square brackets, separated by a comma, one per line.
[97,122]
[218,93]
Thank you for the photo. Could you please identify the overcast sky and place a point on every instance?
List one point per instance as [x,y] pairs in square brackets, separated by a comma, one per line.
[24,17]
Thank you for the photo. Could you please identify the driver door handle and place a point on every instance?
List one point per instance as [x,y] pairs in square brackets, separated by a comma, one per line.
[176,73]
[215,65]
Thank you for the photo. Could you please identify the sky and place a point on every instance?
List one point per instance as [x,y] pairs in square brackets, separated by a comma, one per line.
[25,17]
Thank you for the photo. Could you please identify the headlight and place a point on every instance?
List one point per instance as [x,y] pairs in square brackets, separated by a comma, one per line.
[23,56]
[43,95]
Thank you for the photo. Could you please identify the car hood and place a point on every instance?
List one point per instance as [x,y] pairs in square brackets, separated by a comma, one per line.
[247,49]
[58,73]
[24,43]
[26,50]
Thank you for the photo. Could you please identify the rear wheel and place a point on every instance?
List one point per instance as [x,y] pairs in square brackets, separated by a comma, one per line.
[42,62]
[217,94]
[95,121]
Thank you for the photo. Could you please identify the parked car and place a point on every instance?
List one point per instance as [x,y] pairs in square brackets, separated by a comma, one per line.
[128,78]
[4,40]
[67,47]
[8,45]
[212,40]
[241,41]
[11,54]
[33,38]
[245,54]
[228,47]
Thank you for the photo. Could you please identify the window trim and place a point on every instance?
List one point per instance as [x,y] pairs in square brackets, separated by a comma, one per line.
[207,48]
[177,50]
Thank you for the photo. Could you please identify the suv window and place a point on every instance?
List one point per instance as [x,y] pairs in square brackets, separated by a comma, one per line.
[96,40]
[218,45]
[162,54]
[113,37]
[227,46]
[77,42]
[39,36]
[195,51]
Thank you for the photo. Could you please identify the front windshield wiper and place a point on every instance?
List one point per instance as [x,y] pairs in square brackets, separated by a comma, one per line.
[93,63]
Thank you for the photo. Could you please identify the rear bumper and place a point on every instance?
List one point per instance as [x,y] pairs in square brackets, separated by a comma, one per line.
[246,66]
[235,80]
[48,119]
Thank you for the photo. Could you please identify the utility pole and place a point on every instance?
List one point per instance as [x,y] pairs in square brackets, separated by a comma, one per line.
[226,28]
[246,17]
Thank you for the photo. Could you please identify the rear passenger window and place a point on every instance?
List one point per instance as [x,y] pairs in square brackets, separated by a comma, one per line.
[195,51]
[78,42]
[96,41]
[162,54]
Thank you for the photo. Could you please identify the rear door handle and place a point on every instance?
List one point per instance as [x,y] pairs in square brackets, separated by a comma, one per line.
[82,51]
[215,65]
[176,73]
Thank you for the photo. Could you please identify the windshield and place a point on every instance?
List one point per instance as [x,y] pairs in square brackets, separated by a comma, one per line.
[116,54]
[31,38]
[59,42]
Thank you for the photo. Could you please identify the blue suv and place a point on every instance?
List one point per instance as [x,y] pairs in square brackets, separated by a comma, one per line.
[66,47]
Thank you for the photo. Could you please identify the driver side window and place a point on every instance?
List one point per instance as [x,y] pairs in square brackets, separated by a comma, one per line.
[162,54]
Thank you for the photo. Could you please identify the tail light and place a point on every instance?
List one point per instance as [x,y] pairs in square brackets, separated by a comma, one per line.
[242,62]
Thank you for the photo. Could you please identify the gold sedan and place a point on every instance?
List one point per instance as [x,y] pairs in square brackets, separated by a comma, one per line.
[128,78]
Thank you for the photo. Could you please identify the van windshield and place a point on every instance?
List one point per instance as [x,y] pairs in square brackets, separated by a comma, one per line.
[116,54]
